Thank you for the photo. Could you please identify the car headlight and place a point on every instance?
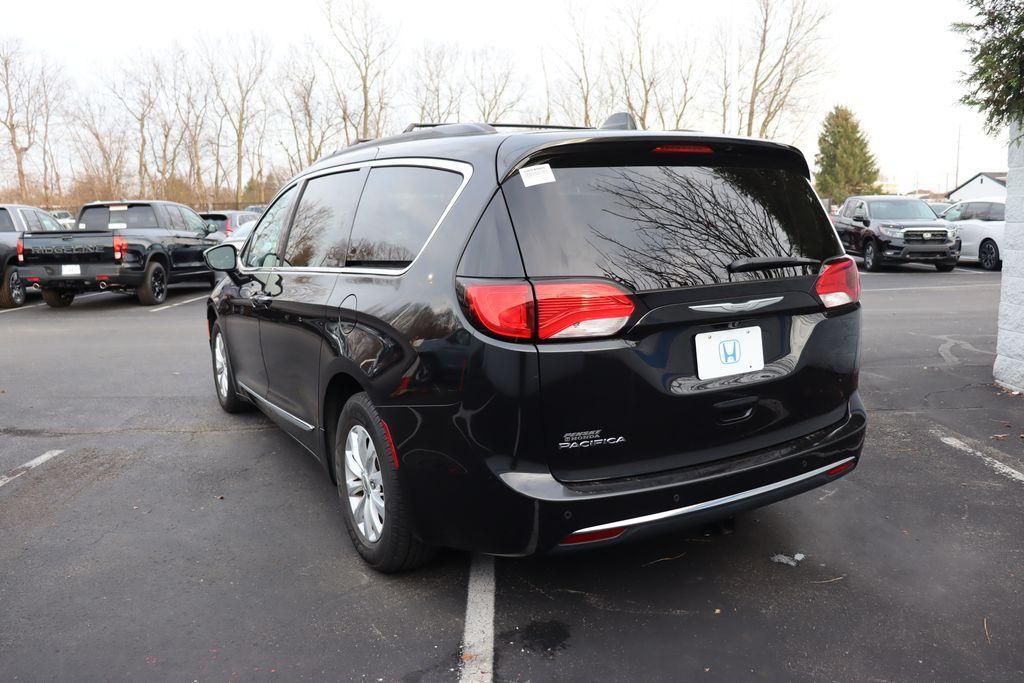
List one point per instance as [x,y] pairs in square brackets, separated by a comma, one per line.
[891,232]
[952,232]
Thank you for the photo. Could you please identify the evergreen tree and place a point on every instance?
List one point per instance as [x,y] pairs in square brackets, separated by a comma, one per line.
[845,164]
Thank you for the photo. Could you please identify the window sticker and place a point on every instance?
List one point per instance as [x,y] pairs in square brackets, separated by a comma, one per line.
[536,175]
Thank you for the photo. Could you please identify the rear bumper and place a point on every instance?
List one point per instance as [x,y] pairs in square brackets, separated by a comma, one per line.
[896,250]
[94,276]
[520,513]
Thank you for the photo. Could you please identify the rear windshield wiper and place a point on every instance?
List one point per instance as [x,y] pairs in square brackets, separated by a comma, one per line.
[748,265]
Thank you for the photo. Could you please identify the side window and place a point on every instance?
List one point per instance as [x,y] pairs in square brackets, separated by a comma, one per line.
[954,213]
[32,223]
[49,223]
[847,210]
[323,219]
[261,252]
[192,220]
[399,207]
[176,219]
[997,212]
[6,222]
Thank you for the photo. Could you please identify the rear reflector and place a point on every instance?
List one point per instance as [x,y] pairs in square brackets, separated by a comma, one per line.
[592,536]
[391,443]
[102,278]
[549,310]
[683,149]
[32,279]
[568,310]
[838,283]
[839,469]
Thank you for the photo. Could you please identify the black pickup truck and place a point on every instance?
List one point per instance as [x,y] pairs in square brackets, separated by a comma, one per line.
[130,246]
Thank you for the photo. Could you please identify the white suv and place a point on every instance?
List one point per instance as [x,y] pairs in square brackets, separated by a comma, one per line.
[980,223]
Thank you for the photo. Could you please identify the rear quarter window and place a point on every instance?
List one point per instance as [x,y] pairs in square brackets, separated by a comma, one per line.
[6,222]
[662,227]
[117,217]
[398,210]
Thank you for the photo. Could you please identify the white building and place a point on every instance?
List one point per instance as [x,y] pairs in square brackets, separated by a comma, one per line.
[984,185]
[1009,365]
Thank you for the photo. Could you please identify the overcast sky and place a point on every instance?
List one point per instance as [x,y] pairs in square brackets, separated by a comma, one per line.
[894,62]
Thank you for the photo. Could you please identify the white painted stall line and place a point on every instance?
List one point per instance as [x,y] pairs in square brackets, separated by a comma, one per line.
[31,464]
[22,308]
[911,289]
[996,465]
[178,303]
[478,634]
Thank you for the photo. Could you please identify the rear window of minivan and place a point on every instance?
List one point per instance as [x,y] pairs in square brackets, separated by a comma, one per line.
[661,227]
[117,216]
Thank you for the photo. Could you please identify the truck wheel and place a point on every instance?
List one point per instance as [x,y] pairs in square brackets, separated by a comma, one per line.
[872,259]
[224,375]
[376,513]
[58,298]
[12,289]
[988,256]
[153,289]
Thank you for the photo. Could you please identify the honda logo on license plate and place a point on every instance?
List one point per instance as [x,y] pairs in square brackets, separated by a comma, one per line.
[729,351]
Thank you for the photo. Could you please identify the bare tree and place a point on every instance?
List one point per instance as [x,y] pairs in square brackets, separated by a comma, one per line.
[136,89]
[312,123]
[496,91]
[781,59]
[236,80]
[722,54]
[20,81]
[639,68]
[192,94]
[677,91]
[438,84]
[366,43]
[584,97]
[102,149]
[53,87]
[165,132]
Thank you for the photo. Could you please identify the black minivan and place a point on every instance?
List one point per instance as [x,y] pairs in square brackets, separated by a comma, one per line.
[525,341]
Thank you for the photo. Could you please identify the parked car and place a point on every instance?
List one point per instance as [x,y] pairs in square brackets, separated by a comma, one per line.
[65,218]
[980,224]
[939,207]
[256,208]
[16,219]
[131,246]
[513,343]
[240,234]
[228,221]
[889,229]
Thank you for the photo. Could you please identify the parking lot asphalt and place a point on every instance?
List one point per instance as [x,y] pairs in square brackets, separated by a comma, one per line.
[163,539]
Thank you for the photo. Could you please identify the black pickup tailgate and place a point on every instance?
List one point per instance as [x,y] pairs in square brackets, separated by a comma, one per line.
[78,246]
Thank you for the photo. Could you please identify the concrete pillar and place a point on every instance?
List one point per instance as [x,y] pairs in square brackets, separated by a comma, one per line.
[1009,365]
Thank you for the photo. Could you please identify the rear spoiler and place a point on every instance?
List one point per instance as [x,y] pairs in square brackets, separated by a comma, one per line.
[603,147]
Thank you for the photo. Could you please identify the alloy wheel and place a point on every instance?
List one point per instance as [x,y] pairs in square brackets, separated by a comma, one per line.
[16,288]
[158,284]
[364,484]
[220,365]
[988,256]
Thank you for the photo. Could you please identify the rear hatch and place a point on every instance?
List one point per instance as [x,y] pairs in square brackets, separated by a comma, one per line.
[720,343]
[99,230]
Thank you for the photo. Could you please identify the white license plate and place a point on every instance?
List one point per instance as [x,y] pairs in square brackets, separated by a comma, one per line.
[729,352]
[72,269]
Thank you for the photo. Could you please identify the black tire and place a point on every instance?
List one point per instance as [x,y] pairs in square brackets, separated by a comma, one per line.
[396,549]
[225,386]
[58,298]
[988,256]
[12,289]
[872,259]
[153,289]
[945,267]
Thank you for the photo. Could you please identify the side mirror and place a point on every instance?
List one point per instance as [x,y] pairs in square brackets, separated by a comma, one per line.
[222,258]
[211,228]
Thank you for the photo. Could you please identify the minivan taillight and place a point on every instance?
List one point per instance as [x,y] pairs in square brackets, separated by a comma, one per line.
[120,247]
[549,310]
[21,250]
[580,309]
[838,283]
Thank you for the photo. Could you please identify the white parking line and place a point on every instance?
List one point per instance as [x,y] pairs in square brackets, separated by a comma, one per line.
[34,462]
[179,303]
[910,289]
[996,465]
[478,633]
[22,308]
